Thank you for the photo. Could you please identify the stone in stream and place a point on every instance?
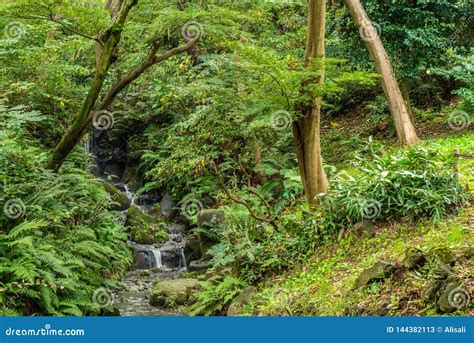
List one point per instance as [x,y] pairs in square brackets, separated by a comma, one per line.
[145,229]
[168,293]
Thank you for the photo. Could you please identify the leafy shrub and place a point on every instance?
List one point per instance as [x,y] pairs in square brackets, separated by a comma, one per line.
[58,242]
[215,298]
[412,183]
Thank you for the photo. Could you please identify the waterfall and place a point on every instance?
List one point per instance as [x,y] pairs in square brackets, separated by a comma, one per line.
[182,259]
[130,195]
[158,261]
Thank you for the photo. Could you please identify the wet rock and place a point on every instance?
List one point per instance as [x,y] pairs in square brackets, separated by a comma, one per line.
[413,258]
[379,271]
[235,308]
[167,293]
[144,228]
[120,199]
[211,217]
[143,258]
[198,266]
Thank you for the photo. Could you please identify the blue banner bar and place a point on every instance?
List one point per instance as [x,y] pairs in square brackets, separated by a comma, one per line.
[245,330]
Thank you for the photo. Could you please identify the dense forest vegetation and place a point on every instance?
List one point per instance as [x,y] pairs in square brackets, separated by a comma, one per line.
[203,157]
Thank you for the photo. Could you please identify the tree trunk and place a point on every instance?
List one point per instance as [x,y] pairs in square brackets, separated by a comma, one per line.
[257,153]
[406,97]
[306,130]
[405,130]
[73,134]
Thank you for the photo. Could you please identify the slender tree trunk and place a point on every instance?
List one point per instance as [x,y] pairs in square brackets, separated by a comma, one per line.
[257,153]
[406,97]
[405,130]
[110,40]
[306,130]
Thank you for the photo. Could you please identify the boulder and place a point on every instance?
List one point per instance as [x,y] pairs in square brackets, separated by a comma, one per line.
[198,266]
[168,293]
[121,202]
[145,229]
[413,258]
[211,217]
[379,271]
[142,258]
[235,308]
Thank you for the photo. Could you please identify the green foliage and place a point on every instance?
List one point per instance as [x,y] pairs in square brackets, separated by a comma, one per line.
[58,242]
[216,297]
[411,184]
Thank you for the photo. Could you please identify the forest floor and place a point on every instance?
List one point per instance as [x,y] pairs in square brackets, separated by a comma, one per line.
[326,284]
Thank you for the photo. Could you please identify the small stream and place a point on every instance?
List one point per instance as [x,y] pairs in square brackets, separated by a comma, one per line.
[150,262]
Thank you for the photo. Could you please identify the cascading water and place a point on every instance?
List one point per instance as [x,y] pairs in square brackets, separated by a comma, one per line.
[158,259]
[182,259]
[130,195]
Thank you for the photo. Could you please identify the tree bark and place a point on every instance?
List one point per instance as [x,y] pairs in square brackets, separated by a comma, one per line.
[306,130]
[405,130]
[406,97]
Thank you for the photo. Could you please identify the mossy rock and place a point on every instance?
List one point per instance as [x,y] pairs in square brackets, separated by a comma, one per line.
[119,198]
[379,271]
[442,254]
[235,308]
[145,229]
[413,258]
[454,296]
[168,293]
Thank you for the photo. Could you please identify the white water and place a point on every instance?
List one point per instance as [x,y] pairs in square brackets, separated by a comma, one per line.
[158,261]
[130,195]
[182,259]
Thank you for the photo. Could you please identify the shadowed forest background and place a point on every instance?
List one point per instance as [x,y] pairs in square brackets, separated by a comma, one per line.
[200,157]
